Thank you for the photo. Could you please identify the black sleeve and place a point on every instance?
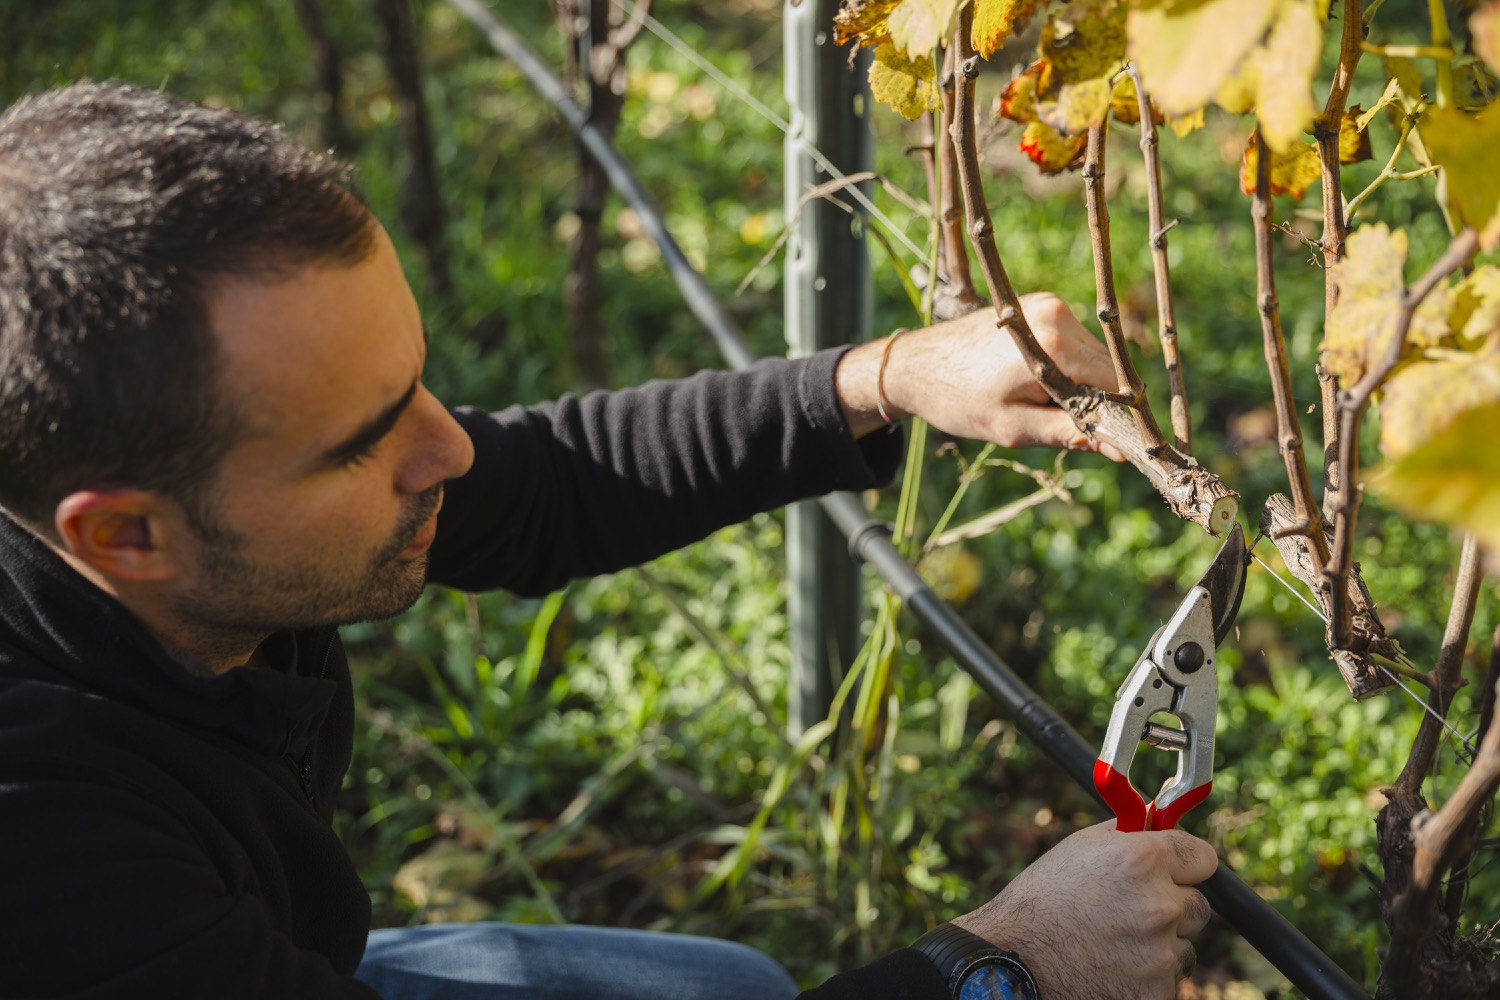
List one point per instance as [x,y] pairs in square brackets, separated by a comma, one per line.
[587,486]
[165,927]
[901,975]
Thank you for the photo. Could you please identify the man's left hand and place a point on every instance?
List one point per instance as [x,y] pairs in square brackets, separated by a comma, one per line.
[966,377]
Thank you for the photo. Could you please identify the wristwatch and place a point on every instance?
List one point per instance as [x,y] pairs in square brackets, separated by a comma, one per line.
[974,968]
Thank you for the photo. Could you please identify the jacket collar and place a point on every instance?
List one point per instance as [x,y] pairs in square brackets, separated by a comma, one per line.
[57,627]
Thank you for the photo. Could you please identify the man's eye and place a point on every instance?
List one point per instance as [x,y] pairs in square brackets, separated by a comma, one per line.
[355,459]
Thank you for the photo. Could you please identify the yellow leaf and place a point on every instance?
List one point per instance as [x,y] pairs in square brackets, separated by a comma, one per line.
[864,20]
[906,84]
[1407,97]
[1084,43]
[1186,50]
[1050,149]
[1409,88]
[1369,284]
[1484,29]
[954,572]
[1392,91]
[1475,315]
[918,25]
[1185,125]
[1292,171]
[1125,103]
[1453,479]
[1018,100]
[1467,147]
[1077,106]
[1237,93]
[1285,68]
[1354,141]
[1421,399]
[997,20]
[1429,324]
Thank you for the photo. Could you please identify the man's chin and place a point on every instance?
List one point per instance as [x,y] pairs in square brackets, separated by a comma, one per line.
[396,595]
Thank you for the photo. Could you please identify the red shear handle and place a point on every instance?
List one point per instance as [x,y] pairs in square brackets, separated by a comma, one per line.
[1121,796]
[1132,813]
[1168,818]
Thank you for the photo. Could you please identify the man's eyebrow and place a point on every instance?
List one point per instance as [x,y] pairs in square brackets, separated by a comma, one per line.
[370,433]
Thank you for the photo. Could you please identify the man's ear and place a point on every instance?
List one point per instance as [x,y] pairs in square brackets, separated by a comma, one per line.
[119,533]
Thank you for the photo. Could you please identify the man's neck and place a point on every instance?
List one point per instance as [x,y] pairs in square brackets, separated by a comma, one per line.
[193,649]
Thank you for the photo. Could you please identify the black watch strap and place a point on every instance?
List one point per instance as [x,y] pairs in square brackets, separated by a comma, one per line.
[955,952]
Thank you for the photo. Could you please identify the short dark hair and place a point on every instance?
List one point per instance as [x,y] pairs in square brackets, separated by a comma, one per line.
[120,207]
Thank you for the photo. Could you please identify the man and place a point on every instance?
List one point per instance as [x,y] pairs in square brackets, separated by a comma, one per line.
[215,447]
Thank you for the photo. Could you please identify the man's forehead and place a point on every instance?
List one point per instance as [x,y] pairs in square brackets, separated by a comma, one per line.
[322,347]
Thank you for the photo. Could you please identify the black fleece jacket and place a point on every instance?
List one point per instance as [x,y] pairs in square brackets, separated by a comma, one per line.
[168,835]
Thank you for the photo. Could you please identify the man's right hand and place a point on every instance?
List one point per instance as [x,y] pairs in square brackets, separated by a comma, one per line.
[1104,915]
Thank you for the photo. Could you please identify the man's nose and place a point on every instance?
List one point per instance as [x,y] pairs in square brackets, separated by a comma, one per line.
[442,450]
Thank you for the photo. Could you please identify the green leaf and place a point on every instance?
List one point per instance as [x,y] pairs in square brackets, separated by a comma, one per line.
[1453,479]
[1421,399]
[1187,50]
[917,26]
[1467,147]
[1370,284]
[906,84]
[997,20]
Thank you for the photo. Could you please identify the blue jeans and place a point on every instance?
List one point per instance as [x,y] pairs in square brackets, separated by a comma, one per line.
[490,961]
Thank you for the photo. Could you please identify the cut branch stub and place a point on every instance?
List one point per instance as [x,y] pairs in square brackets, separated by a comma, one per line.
[1280,523]
[1190,491]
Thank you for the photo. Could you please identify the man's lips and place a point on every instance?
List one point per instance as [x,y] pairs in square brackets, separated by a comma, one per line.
[423,539]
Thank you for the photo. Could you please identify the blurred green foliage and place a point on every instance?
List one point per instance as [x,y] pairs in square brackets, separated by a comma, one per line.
[596,756]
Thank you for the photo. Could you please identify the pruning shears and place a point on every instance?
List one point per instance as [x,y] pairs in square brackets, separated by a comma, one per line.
[1174,675]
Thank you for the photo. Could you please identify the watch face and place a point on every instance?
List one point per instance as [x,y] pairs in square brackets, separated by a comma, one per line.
[993,981]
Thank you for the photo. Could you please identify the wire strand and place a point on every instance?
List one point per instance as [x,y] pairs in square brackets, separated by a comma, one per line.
[755,104]
[1294,591]
[1465,740]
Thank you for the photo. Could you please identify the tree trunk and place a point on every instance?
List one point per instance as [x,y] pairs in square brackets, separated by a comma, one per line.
[421,204]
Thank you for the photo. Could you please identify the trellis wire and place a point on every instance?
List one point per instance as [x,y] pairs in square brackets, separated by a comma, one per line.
[755,104]
[1465,740]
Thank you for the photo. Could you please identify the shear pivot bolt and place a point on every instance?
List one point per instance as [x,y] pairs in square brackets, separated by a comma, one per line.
[1188,657]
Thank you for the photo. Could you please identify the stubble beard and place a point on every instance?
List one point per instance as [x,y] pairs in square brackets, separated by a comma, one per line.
[240,602]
